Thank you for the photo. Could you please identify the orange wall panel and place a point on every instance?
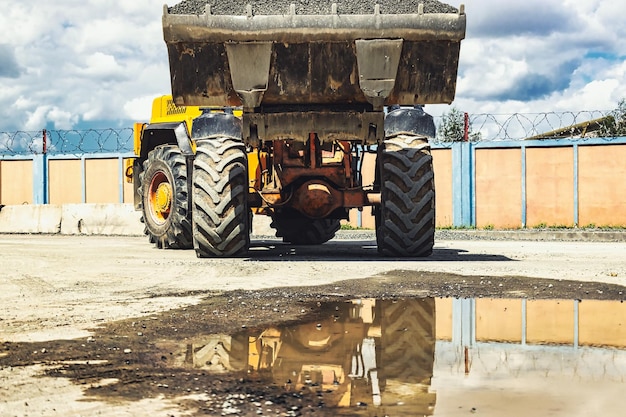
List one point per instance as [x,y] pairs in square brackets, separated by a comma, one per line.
[550,321]
[498,188]
[16,182]
[442,165]
[443,318]
[602,323]
[65,183]
[602,188]
[499,320]
[102,178]
[550,186]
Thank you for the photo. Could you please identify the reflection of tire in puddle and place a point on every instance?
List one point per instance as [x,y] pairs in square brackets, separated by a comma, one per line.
[218,353]
[363,352]
[407,355]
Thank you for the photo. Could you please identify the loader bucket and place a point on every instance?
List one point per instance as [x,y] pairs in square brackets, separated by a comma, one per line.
[347,61]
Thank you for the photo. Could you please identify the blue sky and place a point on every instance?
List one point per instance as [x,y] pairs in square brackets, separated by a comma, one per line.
[76,64]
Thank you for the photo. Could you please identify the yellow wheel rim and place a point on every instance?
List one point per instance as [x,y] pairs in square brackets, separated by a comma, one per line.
[160,197]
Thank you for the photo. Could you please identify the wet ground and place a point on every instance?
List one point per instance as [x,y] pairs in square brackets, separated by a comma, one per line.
[358,347]
[404,340]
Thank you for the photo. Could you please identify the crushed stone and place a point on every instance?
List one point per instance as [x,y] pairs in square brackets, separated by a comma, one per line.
[311,7]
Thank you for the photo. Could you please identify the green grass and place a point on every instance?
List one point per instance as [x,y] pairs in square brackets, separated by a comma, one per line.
[456,228]
[603,227]
[348,226]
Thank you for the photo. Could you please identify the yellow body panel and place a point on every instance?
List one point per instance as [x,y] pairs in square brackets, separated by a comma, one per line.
[164,110]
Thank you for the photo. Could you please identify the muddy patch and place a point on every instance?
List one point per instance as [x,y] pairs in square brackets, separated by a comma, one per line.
[402,343]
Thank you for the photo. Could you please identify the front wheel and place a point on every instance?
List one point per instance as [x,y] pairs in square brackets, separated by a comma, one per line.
[221,221]
[405,219]
[165,198]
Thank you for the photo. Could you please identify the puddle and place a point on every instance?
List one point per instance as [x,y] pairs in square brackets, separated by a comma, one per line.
[430,356]
[370,357]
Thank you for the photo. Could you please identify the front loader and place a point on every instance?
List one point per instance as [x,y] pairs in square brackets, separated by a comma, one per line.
[271,115]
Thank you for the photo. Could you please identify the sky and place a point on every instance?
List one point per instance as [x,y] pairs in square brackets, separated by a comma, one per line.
[81,64]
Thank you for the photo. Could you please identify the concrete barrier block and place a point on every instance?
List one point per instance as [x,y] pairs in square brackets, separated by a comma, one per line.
[101,219]
[30,218]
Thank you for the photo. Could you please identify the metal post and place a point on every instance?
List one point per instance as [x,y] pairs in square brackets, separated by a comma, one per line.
[40,172]
[464,322]
[121,177]
[523,190]
[463,184]
[576,186]
[83,179]
[466,127]
[44,149]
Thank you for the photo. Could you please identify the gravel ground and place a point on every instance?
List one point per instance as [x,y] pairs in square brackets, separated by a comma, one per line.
[125,363]
[266,7]
[539,235]
[95,325]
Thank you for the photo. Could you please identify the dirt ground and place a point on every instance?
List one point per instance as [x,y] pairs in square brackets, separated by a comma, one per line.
[92,325]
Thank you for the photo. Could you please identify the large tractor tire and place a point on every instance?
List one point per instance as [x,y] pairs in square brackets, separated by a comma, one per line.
[407,356]
[221,221]
[301,230]
[405,219]
[165,198]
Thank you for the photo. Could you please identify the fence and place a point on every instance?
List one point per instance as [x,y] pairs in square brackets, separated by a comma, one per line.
[59,167]
[458,126]
[512,184]
[572,181]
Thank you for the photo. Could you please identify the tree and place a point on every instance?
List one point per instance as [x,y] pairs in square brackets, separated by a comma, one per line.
[452,127]
[615,122]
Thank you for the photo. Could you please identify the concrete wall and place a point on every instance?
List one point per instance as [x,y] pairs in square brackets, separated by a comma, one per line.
[16,182]
[550,186]
[72,219]
[498,194]
[65,181]
[442,164]
[504,185]
[602,185]
[551,183]
[562,322]
[486,185]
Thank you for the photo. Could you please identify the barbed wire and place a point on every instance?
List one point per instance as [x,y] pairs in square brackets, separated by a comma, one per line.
[527,126]
[451,127]
[77,142]
[20,143]
[91,141]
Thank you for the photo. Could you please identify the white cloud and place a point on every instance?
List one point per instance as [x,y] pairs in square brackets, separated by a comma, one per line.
[82,61]
[78,63]
[542,56]
[139,108]
[97,66]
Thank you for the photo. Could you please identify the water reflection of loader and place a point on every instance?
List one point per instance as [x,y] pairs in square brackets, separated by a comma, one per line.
[365,356]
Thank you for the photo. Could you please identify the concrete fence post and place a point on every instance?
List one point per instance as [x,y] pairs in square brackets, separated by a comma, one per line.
[463,174]
[40,172]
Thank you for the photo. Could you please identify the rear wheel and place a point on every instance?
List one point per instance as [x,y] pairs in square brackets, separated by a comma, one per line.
[164,198]
[221,221]
[301,230]
[405,219]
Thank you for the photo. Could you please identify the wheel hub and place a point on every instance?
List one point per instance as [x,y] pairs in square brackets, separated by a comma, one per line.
[160,198]
[163,197]
[316,199]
